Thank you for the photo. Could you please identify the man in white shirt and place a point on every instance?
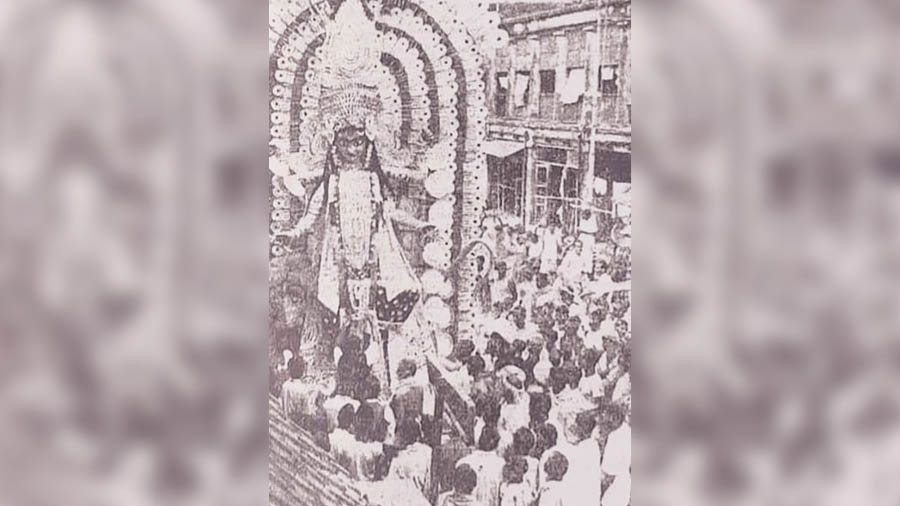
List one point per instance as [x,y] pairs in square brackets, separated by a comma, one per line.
[413,463]
[616,464]
[301,399]
[341,439]
[488,465]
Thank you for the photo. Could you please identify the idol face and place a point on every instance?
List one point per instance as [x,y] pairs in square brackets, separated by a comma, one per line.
[350,147]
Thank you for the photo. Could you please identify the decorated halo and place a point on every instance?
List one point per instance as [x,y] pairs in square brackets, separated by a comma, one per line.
[422,59]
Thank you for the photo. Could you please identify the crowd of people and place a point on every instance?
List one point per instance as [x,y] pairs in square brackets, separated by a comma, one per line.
[546,375]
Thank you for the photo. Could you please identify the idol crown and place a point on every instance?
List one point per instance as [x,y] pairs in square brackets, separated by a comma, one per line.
[351,57]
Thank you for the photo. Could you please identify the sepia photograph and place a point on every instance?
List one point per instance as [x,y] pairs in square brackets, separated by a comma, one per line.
[450,253]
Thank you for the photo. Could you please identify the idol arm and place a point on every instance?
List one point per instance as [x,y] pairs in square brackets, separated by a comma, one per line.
[312,214]
[394,213]
[397,215]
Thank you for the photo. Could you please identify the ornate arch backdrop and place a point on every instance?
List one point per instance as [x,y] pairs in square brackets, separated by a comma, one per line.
[431,83]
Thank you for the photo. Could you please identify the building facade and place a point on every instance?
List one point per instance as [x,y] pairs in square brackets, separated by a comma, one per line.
[559,133]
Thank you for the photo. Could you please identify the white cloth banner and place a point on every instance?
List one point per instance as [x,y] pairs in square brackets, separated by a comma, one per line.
[521,91]
[607,72]
[574,87]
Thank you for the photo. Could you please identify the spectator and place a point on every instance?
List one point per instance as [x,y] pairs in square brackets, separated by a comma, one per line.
[367,452]
[522,447]
[616,462]
[515,491]
[301,399]
[550,242]
[488,465]
[583,455]
[342,440]
[553,492]
[413,461]
[408,399]
[464,482]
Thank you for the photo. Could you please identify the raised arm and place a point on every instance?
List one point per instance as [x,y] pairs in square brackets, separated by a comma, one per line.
[312,214]
[397,215]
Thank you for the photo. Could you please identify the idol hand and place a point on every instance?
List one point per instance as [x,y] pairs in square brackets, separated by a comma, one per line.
[294,232]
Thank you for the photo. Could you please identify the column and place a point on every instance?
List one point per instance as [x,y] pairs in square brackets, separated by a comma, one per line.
[562,57]
[529,178]
[491,88]
[534,50]
[591,99]
[511,73]
[592,66]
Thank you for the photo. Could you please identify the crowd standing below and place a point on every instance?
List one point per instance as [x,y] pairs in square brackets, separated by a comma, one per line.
[547,376]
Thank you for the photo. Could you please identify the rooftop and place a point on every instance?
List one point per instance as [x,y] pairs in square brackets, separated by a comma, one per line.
[517,11]
[302,474]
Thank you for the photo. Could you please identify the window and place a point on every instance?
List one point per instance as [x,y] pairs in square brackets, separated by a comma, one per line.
[501,95]
[548,81]
[609,80]
[555,155]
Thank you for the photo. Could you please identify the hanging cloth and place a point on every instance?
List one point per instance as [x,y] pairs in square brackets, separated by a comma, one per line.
[523,81]
[574,86]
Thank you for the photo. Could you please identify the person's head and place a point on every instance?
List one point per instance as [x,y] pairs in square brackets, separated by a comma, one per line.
[542,281]
[297,368]
[475,365]
[346,417]
[408,432]
[578,247]
[619,303]
[597,317]
[519,346]
[588,361]
[572,325]
[464,479]
[610,345]
[602,267]
[406,369]
[523,441]
[566,297]
[547,436]
[489,439]
[556,466]
[584,425]
[539,408]
[501,269]
[518,318]
[562,315]
[621,328]
[365,423]
[615,416]
[463,349]
[558,379]
[497,345]
[350,145]
[514,469]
